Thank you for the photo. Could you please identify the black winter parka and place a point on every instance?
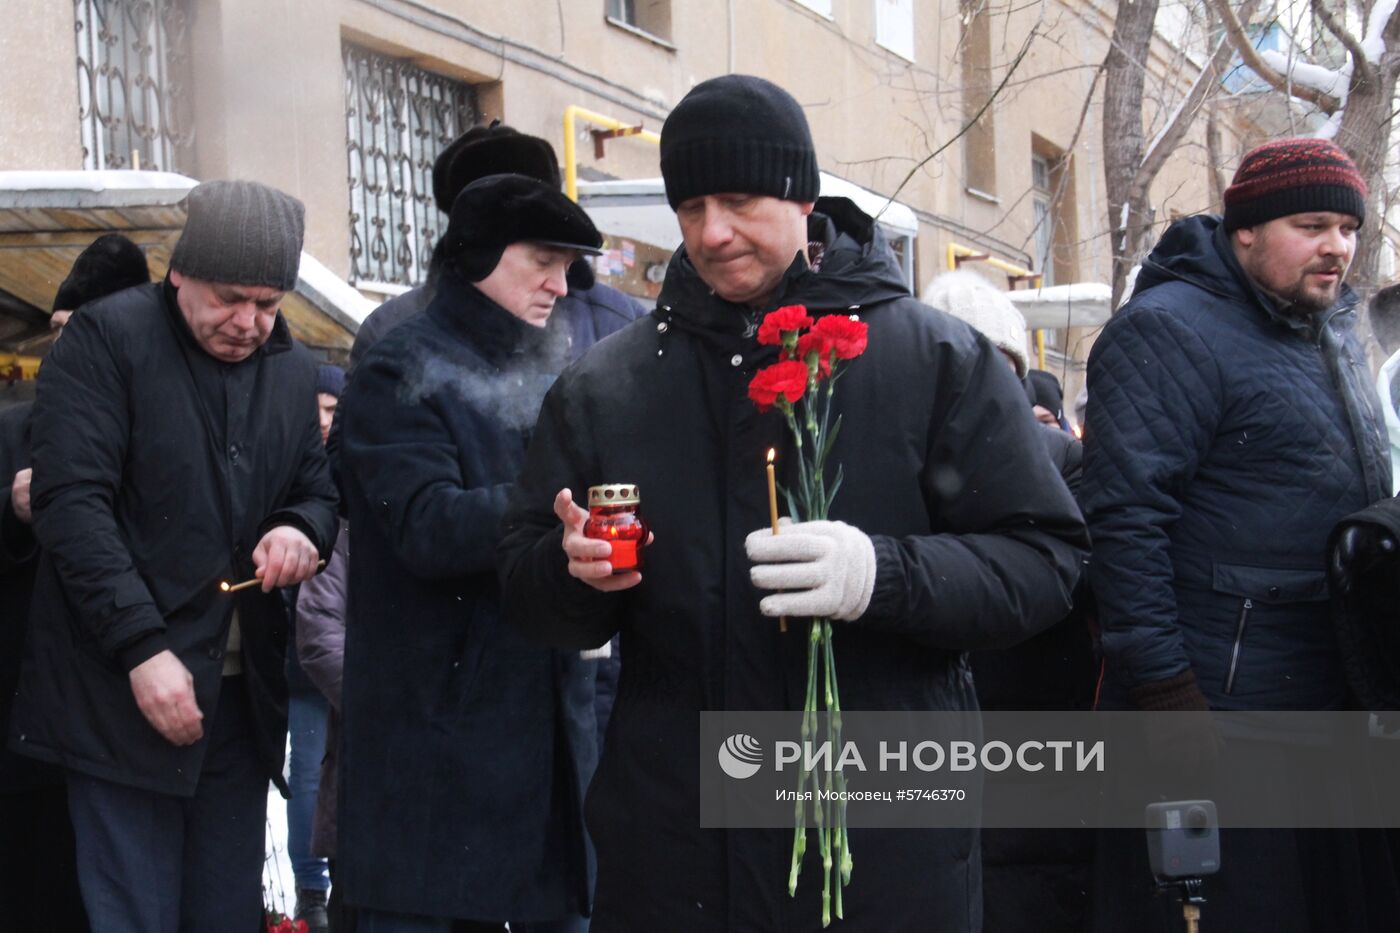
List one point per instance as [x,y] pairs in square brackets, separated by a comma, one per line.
[977,543]
[144,500]
[19,558]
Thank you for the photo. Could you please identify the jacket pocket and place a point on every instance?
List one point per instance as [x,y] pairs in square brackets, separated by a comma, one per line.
[1257,588]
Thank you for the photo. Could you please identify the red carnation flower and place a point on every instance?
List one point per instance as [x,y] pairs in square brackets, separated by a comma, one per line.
[821,345]
[781,383]
[847,334]
[780,321]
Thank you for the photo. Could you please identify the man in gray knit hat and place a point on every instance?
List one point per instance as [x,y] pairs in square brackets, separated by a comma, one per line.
[176,447]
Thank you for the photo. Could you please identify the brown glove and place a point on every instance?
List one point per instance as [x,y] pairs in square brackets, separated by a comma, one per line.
[1176,694]
[1186,741]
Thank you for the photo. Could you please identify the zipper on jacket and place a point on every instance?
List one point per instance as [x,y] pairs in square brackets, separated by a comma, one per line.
[1239,638]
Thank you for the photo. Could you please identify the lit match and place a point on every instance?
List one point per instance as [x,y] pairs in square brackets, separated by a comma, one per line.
[228,587]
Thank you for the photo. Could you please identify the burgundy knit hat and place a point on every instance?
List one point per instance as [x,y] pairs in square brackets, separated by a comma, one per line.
[1293,176]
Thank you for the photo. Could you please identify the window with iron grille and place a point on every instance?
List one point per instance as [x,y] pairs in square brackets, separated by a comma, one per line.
[399,119]
[132,101]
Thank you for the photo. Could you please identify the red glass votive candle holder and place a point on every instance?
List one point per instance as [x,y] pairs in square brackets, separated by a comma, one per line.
[613,517]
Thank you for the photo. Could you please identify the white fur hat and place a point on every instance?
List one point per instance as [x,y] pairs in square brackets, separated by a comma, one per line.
[978,303]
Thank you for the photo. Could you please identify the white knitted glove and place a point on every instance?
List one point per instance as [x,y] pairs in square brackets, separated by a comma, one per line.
[596,654]
[827,569]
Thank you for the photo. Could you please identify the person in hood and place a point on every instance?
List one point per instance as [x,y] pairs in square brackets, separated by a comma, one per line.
[1385,324]
[1232,425]
[1047,399]
[932,568]
[1030,877]
[175,447]
[464,751]
[39,882]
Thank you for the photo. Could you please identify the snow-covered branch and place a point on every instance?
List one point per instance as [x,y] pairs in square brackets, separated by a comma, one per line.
[1251,57]
[1363,65]
[1330,81]
[1167,139]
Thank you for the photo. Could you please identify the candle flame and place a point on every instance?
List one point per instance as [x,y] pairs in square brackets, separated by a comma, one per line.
[771,454]
[613,531]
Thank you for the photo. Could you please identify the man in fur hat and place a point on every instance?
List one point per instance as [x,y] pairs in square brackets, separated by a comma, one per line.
[465,750]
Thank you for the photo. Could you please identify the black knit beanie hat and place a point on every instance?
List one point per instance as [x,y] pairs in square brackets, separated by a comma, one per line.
[241,233]
[490,150]
[1293,176]
[330,379]
[738,134]
[493,212]
[1043,389]
[110,264]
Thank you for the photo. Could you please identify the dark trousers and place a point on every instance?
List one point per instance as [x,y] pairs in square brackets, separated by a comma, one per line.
[1279,880]
[156,863]
[376,921]
[38,880]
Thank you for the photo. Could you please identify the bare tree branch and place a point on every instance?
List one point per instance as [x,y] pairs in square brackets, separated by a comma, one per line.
[962,131]
[1206,82]
[1062,164]
[1251,57]
[1361,67]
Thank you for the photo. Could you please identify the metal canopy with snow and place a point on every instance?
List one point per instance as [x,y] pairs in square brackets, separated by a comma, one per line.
[48,218]
[1083,304]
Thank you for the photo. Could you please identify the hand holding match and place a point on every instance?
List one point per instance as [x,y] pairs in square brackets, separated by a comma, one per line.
[228,587]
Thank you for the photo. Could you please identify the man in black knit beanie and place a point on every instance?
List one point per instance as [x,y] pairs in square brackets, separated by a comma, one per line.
[905,569]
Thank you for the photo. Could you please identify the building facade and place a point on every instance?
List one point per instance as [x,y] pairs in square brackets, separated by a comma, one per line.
[970,113]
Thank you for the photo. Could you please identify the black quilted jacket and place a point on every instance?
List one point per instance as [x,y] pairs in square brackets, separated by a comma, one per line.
[1225,442]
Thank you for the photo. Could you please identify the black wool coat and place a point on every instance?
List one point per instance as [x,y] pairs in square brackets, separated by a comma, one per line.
[977,543]
[144,500]
[465,749]
[19,558]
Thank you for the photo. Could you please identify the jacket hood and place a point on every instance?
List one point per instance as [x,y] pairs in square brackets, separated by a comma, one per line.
[1197,250]
[857,268]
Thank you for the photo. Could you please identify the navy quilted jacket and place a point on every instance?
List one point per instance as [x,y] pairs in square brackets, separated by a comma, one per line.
[1225,442]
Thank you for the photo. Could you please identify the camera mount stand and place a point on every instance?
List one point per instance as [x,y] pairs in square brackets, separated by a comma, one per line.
[1190,892]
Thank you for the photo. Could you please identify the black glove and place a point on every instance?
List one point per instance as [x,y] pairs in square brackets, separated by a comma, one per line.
[1360,549]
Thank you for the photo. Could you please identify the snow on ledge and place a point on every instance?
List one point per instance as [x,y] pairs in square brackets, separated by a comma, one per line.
[108,189]
[92,189]
[332,294]
[1082,304]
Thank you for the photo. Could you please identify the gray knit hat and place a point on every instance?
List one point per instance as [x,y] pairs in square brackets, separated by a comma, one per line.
[241,233]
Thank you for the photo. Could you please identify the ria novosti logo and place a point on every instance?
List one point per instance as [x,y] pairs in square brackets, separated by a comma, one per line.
[740,756]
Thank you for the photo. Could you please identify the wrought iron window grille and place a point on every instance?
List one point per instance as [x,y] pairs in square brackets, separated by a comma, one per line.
[399,119]
[133,56]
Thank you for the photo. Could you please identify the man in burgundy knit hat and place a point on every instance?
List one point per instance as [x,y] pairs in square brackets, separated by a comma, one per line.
[1231,424]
